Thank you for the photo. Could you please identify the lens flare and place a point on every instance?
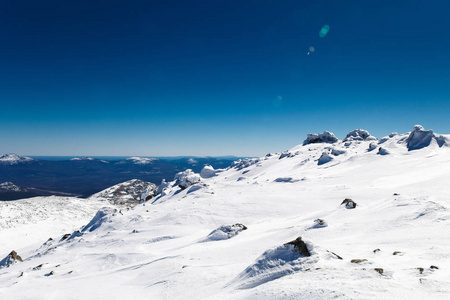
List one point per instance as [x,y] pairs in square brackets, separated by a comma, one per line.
[324,31]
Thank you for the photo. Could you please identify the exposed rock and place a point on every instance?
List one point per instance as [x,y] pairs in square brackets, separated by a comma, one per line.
[225,232]
[382,151]
[359,135]
[299,246]
[325,137]
[50,274]
[397,253]
[286,154]
[127,193]
[10,259]
[434,267]
[358,261]
[243,163]
[420,270]
[320,222]
[338,257]
[349,203]
[286,179]
[379,270]
[65,237]
[372,146]
[38,267]
[376,250]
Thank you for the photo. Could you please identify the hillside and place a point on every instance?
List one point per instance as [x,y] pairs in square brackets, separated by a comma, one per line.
[228,233]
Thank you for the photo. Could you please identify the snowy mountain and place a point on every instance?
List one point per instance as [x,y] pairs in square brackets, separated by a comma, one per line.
[127,193]
[138,160]
[14,159]
[360,218]
[11,187]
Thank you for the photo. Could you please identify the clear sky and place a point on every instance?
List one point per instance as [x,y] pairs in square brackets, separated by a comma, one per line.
[213,77]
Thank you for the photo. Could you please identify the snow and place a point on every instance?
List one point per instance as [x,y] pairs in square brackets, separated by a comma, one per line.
[208,172]
[420,138]
[127,193]
[157,250]
[29,221]
[10,187]
[359,135]
[14,159]
[325,137]
[139,160]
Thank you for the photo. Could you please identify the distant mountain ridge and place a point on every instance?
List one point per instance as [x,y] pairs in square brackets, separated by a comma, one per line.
[84,176]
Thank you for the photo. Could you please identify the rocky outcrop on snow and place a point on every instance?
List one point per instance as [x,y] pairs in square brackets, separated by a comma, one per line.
[275,263]
[243,163]
[186,178]
[14,159]
[349,203]
[127,193]
[225,232]
[325,137]
[359,135]
[10,259]
[420,138]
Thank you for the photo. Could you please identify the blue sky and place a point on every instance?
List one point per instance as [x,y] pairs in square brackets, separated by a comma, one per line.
[162,78]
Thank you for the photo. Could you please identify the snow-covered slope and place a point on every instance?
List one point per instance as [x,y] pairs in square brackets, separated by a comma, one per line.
[14,159]
[190,242]
[26,222]
[138,160]
[11,187]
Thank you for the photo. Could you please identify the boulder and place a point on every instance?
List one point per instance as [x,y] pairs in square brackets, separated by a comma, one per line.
[10,259]
[359,135]
[325,137]
[349,203]
[299,246]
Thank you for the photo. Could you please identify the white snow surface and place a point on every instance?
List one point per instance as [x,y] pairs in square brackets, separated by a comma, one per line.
[29,222]
[10,187]
[14,159]
[140,160]
[157,250]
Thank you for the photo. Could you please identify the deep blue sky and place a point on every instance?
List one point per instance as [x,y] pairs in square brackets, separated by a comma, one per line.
[216,77]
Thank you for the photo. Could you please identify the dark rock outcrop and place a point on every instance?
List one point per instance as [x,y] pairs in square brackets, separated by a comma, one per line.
[349,203]
[299,246]
[10,259]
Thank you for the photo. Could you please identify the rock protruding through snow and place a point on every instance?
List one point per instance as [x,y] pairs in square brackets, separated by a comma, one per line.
[420,138]
[359,135]
[225,232]
[186,178]
[325,137]
[349,203]
[10,259]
